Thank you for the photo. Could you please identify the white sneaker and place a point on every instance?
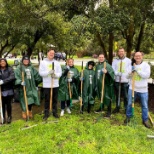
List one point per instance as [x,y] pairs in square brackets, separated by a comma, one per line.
[68,110]
[62,113]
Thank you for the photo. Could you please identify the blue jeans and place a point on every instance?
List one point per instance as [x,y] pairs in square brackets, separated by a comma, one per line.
[143,97]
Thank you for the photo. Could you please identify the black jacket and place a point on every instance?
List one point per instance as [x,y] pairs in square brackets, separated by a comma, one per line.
[8,78]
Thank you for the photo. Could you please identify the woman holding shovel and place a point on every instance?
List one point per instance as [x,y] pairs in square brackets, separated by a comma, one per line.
[27,78]
[68,87]
[7,79]
[88,90]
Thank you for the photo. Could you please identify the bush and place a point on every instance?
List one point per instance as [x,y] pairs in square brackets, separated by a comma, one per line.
[152,71]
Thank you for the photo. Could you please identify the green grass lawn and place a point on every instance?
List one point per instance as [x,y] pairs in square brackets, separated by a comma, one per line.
[77,134]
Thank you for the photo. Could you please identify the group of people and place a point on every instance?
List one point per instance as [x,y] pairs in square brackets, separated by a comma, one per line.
[64,83]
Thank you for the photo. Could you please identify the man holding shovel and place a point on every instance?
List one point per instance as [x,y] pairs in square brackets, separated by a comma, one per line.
[104,84]
[120,66]
[139,77]
[51,71]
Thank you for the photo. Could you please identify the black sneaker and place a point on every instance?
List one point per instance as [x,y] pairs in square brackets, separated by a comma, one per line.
[4,121]
[116,110]
[99,110]
[9,120]
[46,115]
[145,123]
[108,115]
[55,115]
[127,120]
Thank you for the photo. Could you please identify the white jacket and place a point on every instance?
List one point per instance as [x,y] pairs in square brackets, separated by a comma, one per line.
[45,67]
[126,65]
[141,78]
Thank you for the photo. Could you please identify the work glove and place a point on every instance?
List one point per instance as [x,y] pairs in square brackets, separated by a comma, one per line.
[1,82]
[104,70]
[69,80]
[133,68]
[51,72]
[119,74]
[54,76]
[68,67]
[81,79]
[23,83]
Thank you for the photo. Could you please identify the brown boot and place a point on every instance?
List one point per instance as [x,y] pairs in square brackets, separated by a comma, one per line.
[30,114]
[24,116]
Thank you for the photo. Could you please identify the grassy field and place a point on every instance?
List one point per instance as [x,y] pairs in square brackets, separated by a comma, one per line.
[77,134]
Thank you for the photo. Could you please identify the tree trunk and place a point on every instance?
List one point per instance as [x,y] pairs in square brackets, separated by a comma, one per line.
[140,37]
[37,36]
[129,38]
[111,39]
[9,50]
[101,44]
[129,47]
[3,47]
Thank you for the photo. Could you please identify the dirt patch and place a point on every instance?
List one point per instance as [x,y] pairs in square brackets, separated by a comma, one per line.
[151,97]
[17,112]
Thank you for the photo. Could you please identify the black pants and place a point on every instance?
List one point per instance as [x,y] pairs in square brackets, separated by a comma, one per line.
[54,99]
[124,93]
[30,107]
[63,104]
[6,105]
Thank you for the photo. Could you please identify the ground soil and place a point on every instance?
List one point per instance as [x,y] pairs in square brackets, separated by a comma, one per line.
[17,112]
[151,97]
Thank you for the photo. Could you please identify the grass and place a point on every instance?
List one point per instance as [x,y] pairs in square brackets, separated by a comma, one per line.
[77,134]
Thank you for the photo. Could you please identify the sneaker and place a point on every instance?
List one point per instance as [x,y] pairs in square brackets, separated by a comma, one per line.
[145,123]
[116,110]
[127,120]
[62,113]
[55,115]
[108,115]
[9,120]
[4,121]
[46,115]
[99,110]
[68,110]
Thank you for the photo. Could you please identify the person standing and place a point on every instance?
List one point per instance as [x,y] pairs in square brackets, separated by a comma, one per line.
[141,71]
[26,75]
[108,89]
[88,91]
[7,79]
[70,75]
[120,66]
[50,75]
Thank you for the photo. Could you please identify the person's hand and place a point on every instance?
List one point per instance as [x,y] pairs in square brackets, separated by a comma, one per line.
[119,74]
[51,72]
[81,79]
[69,80]
[23,83]
[133,68]
[130,75]
[104,70]
[68,67]
[54,76]
[1,82]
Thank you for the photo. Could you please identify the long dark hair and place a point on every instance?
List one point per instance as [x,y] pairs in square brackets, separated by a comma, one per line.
[5,61]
